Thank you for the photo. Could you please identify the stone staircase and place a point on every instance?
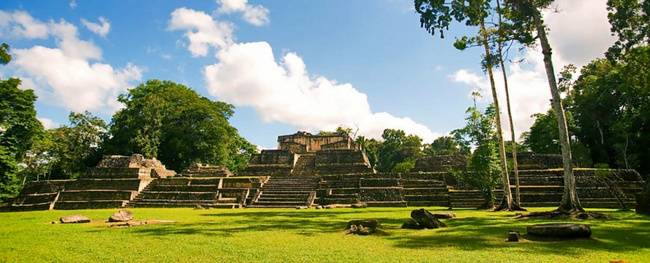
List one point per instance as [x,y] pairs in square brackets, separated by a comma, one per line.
[305,165]
[425,189]
[285,192]
[209,192]
[470,198]
[545,188]
[94,190]
[37,195]
[336,189]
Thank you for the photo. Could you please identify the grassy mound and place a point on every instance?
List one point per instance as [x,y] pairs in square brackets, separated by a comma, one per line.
[289,235]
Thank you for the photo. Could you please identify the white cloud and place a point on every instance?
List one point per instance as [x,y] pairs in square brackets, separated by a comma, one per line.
[48,123]
[98,29]
[73,4]
[248,75]
[20,24]
[256,15]
[201,30]
[579,31]
[65,76]
[529,92]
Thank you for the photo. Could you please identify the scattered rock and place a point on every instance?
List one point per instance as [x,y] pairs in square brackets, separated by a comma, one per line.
[302,207]
[121,216]
[319,207]
[360,205]
[371,223]
[338,206]
[445,215]
[425,219]
[74,219]
[411,224]
[129,224]
[55,222]
[364,231]
[513,236]
[363,227]
[560,230]
[198,207]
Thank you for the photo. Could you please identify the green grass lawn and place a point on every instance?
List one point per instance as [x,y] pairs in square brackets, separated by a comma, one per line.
[289,235]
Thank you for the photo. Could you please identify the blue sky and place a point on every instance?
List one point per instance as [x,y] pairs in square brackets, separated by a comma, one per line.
[285,65]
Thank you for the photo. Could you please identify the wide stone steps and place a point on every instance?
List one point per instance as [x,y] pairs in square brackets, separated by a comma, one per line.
[185,203]
[469,198]
[422,183]
[444,203]
[286,192]
[36,198]
[94,204]
[179,195]
[386,203]
[30,206]
[426,198]
[305,166]
[186,188]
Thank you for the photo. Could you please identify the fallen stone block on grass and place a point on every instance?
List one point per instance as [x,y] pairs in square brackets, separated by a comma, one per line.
[513,236]
[363,226]
[445,215]
[560,230]
[426,219]
[74,219]
[121,216]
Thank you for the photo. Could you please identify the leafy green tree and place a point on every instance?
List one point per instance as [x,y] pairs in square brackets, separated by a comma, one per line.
[437,15]
[629,20]
[19,128]
[397,148]
[5,57]
[76,147]
[178,126]
[528,27]
[240,151]
[370,147]
[483,168]
[610,104]
[444,145]
[38,160]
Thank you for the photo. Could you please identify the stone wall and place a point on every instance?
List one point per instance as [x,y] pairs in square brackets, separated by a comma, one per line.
[530,160]
[342,162]
[133,161]
[301,142]
[440,163]
[270,163]
[206,170]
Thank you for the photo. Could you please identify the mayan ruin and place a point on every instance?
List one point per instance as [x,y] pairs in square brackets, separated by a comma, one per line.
[315,170]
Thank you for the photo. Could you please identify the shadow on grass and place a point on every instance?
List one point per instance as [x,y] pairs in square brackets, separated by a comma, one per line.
[476,233]
[465,233]
[306,223]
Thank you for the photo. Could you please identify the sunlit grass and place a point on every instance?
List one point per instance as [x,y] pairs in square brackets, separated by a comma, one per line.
[288,235]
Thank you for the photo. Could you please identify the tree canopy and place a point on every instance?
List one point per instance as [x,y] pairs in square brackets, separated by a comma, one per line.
[19,128]
[178,126]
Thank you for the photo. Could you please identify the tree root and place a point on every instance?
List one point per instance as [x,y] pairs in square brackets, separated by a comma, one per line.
[565,215]
[504,207]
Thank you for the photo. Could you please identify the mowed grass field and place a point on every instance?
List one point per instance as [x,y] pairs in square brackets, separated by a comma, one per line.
[289,235]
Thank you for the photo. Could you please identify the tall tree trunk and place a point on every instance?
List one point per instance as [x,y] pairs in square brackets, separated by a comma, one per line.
[506,203]
[570,200]
[512,126]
